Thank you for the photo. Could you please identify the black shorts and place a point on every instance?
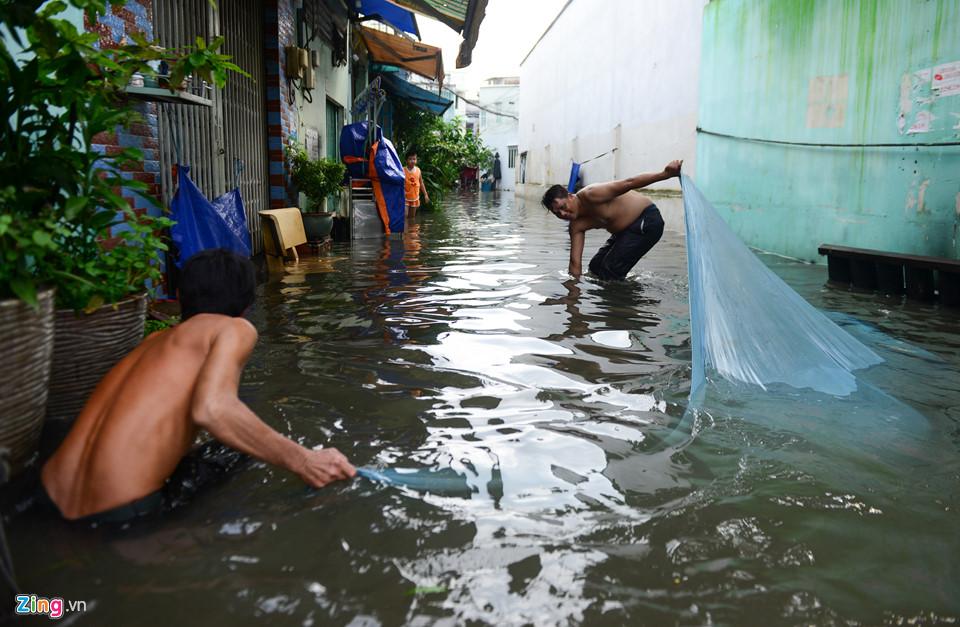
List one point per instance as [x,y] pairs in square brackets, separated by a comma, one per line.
[203,466]
[624,249]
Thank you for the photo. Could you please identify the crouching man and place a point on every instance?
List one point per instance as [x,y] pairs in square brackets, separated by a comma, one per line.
[633,221]
[144,416]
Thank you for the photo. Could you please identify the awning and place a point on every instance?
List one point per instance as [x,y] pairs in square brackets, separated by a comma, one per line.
[389,13]
[420,98]
[463,16]
[417,57]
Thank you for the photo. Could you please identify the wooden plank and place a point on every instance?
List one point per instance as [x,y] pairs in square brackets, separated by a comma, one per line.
[917,261]
[864,273]
[890,278]
[839,271]
[920,283]
[948,284]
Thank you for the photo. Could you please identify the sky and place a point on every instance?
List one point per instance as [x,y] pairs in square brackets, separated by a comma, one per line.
[507,33]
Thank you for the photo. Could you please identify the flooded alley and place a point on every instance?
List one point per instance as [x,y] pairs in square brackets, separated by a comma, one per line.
[464,348]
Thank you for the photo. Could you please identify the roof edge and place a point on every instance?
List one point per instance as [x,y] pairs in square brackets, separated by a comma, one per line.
[569,2]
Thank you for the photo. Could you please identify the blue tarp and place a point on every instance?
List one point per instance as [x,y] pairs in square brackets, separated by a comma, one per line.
[574,177]
[391,14]
[420,98]
[202,224]
[389,169]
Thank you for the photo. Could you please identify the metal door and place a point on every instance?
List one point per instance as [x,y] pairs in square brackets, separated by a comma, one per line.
[214,140]
[244,110]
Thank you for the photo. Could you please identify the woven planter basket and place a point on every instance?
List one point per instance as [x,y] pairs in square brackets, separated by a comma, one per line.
[26,336]
[86,347]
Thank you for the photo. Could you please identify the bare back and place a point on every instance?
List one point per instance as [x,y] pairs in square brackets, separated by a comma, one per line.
[137,424]
[614,215]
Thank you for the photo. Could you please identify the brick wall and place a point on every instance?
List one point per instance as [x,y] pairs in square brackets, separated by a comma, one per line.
[121,19]
[280,32]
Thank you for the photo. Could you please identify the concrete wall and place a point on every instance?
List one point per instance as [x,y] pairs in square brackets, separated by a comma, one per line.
[838,72]
[499,132]
[618,77]
[310,116]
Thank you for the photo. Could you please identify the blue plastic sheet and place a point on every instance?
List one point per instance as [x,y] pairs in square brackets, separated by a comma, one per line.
[748,325]
[442,482]
[574,175]
[387,163]
[353,138]
[202,224]
[390,172]
[391,14]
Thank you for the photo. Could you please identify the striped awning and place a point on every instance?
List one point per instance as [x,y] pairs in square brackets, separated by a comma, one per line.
[463,16]
[417,57]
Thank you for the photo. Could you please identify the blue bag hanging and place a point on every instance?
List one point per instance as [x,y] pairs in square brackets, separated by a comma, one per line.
[201,224]
[574,175]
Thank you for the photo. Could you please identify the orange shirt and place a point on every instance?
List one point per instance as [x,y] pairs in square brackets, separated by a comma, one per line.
[411,184]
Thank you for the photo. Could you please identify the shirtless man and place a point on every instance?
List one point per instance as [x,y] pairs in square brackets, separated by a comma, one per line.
[632,219]
[144,416]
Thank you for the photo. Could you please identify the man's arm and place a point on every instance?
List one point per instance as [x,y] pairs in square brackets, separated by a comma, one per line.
[423,187]
[576,252]
[217,409]
[605,192]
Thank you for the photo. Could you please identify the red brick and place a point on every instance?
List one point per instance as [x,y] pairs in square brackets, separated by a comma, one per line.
[146,177]
[108,139]
[141,130]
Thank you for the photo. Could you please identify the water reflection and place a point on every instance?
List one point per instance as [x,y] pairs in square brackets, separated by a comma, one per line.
[463,348]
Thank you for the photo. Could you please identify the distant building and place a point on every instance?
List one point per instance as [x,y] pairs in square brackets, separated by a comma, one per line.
[499,108]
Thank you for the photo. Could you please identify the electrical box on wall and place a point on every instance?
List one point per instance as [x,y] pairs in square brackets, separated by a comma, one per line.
[309,78]
[298,61]
[315,58]
[293,68]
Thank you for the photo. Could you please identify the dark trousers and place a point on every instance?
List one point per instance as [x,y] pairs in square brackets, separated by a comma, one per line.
[624,249]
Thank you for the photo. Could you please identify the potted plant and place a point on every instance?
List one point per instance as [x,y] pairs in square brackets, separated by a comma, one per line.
[317,179]
[26,326]
[66,224]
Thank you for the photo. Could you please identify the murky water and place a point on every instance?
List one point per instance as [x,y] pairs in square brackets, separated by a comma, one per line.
[463,347]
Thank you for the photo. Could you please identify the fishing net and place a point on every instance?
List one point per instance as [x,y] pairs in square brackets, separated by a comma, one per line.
[748,325]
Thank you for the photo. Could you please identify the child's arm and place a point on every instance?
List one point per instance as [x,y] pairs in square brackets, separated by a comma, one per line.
[423,188]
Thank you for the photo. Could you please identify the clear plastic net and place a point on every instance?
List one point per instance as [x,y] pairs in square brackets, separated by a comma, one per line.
[748,325]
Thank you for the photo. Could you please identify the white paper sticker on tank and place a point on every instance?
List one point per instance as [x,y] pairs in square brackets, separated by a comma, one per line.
[946,80]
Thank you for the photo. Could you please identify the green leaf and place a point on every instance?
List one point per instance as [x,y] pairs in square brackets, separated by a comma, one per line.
[74,206]
[25,290]
[42,239]
[102,220]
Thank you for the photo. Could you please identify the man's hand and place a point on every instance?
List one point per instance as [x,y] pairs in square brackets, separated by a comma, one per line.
[673,168]
[324,466]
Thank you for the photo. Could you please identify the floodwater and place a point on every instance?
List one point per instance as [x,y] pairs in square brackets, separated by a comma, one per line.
[591,499]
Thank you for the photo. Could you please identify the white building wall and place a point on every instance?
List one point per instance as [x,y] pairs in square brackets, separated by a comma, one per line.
[612,77]
[499,132]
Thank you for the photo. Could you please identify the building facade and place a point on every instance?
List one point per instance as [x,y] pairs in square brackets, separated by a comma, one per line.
[499,108]
[615,83]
